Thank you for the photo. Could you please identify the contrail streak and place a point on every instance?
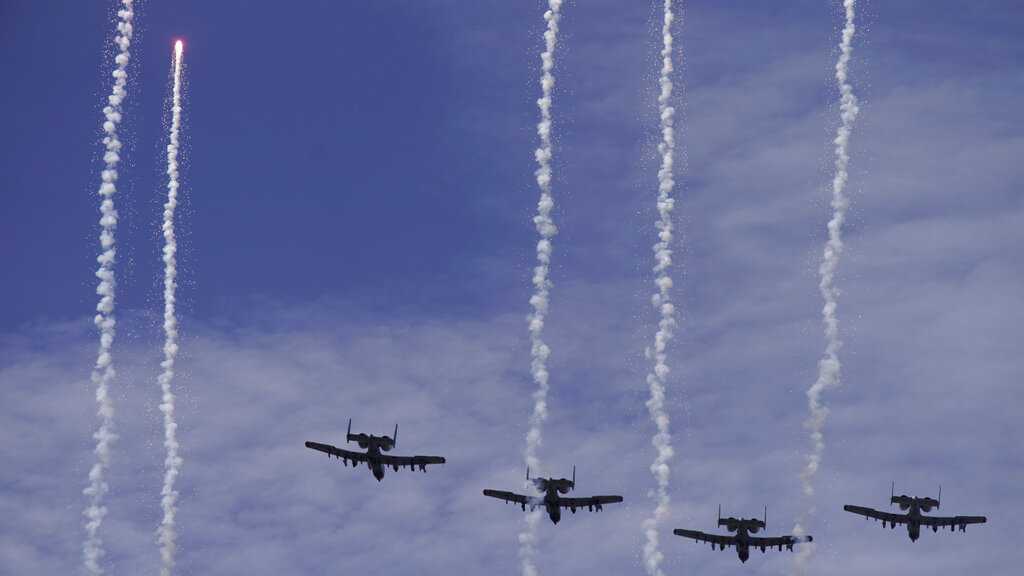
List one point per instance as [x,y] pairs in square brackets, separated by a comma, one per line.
[539,351]
[661,300]
[103,372]
[829,366]
[172,463]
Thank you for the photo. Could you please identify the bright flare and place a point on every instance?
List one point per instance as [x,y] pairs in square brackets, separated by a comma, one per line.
[539,351]
[103,372]
[829,366]
[166,535]
[661,300]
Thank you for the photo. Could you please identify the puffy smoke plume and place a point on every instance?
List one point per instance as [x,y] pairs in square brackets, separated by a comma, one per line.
[656,380]
[103,372]
[539,351]
[829,366]
[172,463]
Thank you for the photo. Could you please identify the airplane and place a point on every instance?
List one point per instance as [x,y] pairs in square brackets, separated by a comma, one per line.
[913,518]
[743,541]
[551,501]
[374,445]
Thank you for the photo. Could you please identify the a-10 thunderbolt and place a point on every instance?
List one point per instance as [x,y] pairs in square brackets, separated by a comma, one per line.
[551,499]
[742,540]
[374,445]
[913,518]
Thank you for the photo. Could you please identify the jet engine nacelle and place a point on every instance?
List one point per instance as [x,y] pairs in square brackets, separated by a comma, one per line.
[363,444]
[563,489]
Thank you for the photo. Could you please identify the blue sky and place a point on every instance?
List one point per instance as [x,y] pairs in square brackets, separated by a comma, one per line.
[356,242]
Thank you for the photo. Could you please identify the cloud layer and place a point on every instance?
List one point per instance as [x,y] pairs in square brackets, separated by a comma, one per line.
[932,292]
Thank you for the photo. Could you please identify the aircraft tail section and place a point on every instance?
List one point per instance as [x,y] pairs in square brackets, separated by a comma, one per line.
[349,437]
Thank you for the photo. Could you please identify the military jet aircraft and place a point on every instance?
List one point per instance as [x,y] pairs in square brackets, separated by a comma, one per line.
[743,541]
[551,501]
[913,518]
[375,461]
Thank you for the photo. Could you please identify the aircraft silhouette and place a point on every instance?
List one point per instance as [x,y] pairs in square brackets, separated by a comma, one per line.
[551,501]
[742,540]
[374,445]
[913,518]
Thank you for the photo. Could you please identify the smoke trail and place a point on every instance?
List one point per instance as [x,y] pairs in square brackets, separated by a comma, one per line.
[539,351]
[103,372]
[662,302]
[172,462]
[829,366]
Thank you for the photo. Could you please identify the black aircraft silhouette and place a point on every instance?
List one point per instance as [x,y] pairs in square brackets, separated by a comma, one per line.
[374,445]
[913,518]
[551,501]
[743,541]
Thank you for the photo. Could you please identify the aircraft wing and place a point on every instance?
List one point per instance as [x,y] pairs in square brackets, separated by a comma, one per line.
[412,462]
[778,541]
[514,498]
[337,452]
[872,513]
[951,521]
[721,541]
[591,502]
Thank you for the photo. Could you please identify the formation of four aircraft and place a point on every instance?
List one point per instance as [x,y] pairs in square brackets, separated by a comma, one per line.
[552,498]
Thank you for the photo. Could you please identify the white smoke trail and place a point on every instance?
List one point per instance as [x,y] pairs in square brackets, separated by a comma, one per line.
[103,372]
[172,463]
[539,351]
[656,380]
[829,366]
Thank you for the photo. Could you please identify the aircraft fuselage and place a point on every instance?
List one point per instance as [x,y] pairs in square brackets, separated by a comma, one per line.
[373,462]
[551,504]
[914,522]
[742,544]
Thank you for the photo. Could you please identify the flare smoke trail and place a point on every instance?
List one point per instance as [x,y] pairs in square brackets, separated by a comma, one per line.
[661,300]
[539,351]
[829,366]
[172,462]
[103,372]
